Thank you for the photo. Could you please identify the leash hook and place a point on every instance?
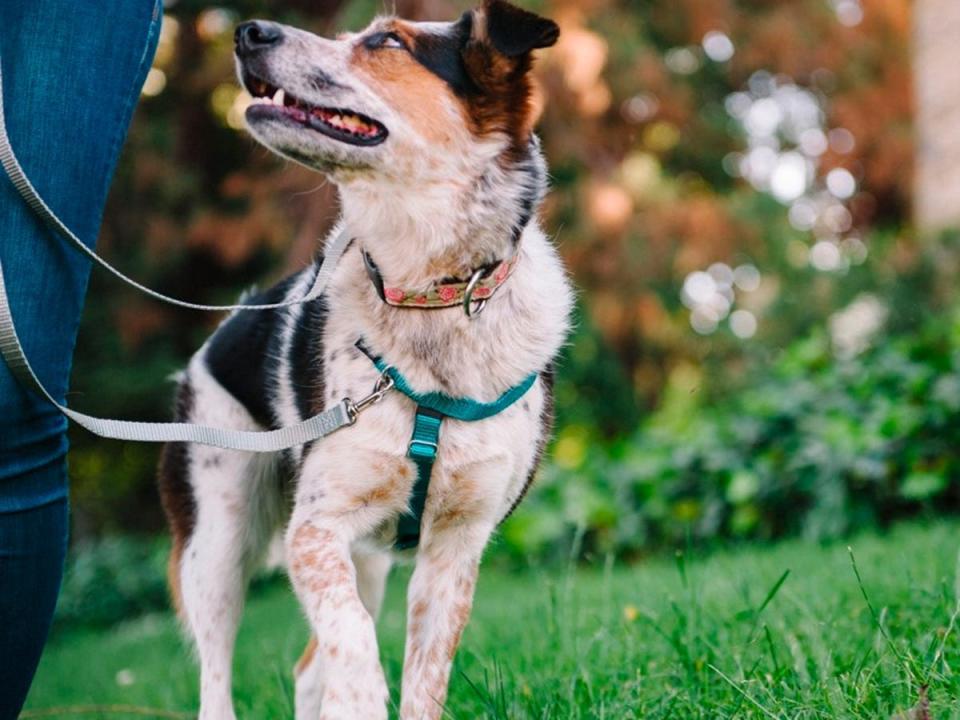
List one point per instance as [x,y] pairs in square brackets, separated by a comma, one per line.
[384,384]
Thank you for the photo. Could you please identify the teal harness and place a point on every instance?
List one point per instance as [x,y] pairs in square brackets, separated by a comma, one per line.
[432,408]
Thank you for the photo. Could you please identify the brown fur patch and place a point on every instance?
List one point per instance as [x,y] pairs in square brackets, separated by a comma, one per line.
[414,92]
[393,488]
[307,657]
[459,500]
[387,486]
[176,493]
[318,562]
[173,578]
[498,58]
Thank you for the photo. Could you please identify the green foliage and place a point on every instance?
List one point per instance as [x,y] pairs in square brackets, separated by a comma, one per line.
[113,579]
[786,631]
[640,198]
[815,445]
[121,577]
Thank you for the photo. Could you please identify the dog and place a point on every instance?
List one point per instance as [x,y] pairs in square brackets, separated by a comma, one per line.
[427,131]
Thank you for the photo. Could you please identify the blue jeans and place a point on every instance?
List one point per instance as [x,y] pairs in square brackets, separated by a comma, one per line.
[72,73]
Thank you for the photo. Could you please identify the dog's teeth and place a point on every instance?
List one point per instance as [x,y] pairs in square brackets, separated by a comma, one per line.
[278,97]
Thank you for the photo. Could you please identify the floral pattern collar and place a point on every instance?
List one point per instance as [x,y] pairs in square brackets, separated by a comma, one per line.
[444,294]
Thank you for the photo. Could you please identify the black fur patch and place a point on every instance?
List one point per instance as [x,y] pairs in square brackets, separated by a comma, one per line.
[546,428]
[442,55]
[306,358]
[532,190]
[242,355]
[514,31]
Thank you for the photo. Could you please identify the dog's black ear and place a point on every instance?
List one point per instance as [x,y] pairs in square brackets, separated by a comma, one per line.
[497,53]
[513,31]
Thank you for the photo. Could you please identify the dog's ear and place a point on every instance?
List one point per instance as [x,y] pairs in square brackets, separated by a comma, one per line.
[512,31]
[497,51]
[499,39]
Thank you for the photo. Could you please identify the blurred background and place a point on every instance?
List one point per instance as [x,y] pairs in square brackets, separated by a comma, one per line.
[753,197]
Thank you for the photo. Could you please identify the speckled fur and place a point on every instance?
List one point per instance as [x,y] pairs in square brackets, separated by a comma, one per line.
[428,203]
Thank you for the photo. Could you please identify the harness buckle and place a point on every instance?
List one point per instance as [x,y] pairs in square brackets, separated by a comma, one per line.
[384,384]
[430,447]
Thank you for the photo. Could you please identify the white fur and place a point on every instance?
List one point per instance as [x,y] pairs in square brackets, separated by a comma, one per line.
[237,513]
[286,409]
[423,212]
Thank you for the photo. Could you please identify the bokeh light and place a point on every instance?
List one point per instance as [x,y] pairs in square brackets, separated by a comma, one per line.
[841,183]
[852,327]
[154,83]
[712,294]
[717,46]
[682,60]
[743,324]
[849,12]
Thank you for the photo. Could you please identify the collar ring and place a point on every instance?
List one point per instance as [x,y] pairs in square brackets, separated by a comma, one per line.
[475,279]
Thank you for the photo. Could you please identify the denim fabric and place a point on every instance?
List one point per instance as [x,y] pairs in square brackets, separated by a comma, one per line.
[72,72]
[32,546]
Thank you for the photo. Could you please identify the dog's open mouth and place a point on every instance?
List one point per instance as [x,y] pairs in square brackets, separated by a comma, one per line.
[271,102]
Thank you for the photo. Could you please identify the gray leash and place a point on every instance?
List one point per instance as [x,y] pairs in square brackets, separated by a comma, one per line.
[23,185]
[343,413]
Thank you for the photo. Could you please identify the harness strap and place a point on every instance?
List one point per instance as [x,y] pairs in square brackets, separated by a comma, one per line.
[464,409]
[432,408]
[423,451]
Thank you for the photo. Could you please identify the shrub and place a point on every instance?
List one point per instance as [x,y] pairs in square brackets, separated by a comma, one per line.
[124,576]
[814,445]
[112,579]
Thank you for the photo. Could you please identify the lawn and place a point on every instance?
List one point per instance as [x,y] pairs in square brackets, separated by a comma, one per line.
[786,631]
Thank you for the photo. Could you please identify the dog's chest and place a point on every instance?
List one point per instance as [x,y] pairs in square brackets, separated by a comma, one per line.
[507,441]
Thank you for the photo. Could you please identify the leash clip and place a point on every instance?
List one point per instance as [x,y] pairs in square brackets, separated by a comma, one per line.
[384,384]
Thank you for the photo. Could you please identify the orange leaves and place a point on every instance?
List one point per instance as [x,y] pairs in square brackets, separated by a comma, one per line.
[581,55]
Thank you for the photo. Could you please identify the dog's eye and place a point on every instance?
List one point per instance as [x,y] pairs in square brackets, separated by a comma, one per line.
[384,40]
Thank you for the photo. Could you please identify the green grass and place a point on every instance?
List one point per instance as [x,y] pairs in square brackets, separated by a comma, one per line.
[780,632]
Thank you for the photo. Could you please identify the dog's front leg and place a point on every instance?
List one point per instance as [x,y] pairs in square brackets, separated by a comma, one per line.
[439,600]
[343,495]
[324,576]
[372,570]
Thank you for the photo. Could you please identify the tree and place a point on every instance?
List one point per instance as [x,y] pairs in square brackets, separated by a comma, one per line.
[937,187]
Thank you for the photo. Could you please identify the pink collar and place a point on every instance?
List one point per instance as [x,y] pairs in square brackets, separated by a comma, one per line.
[484,281]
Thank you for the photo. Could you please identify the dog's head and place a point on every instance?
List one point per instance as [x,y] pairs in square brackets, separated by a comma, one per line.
[400,100]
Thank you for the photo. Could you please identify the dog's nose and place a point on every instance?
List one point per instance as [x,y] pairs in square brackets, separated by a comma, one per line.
[256,35]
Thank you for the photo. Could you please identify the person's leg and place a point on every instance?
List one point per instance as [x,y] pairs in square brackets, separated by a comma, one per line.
[72,73]
[32,545]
